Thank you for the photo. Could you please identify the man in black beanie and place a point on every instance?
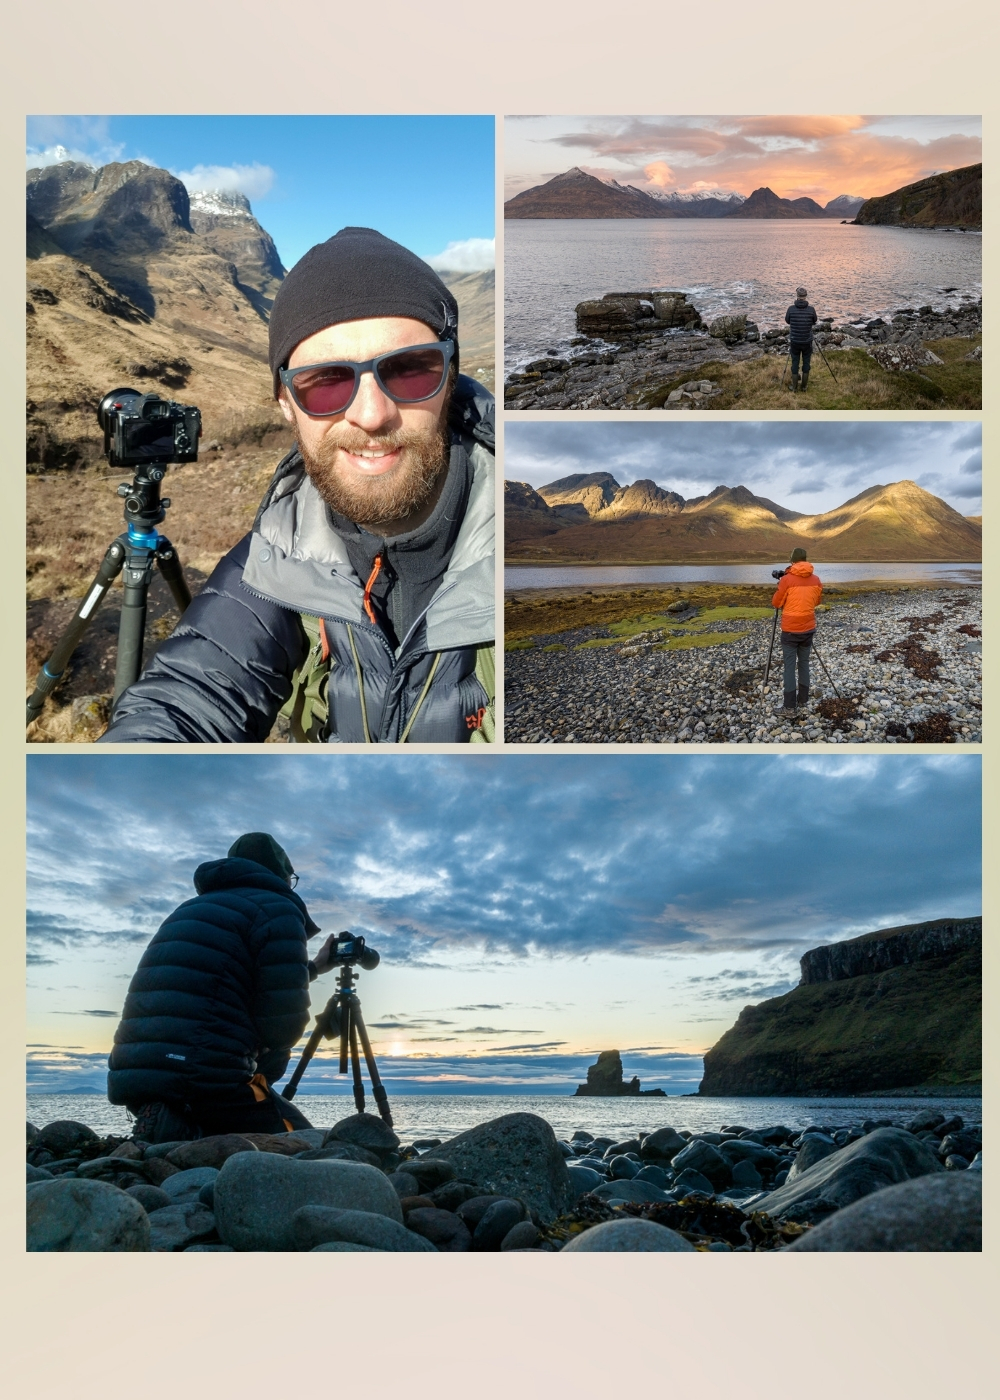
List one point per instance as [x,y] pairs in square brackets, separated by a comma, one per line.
[219,998]
[361,606]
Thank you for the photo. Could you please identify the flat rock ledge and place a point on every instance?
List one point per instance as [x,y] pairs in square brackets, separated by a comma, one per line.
[633,345]
[511,1186]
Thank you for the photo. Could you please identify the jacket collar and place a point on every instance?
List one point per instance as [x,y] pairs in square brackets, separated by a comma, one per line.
[233,872]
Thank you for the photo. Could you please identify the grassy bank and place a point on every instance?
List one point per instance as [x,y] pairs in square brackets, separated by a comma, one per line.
[544,612]
[860,382]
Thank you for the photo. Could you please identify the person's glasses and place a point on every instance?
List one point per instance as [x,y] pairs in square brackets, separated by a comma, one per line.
[406,376]
[293,879]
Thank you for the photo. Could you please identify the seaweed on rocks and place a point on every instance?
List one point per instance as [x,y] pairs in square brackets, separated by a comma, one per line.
[839,712]
[935,729]
[702,1221]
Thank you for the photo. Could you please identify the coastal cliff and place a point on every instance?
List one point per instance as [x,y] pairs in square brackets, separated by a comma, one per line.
[895,1009]
[953,199]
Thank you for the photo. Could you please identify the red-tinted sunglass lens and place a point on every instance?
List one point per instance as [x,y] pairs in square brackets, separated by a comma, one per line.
[326,390]
[412,374]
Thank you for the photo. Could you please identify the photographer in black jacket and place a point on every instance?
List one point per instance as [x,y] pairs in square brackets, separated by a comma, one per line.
[219,998]
[801,317]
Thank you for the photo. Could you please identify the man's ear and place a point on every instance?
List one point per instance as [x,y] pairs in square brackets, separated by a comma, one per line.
[286,407]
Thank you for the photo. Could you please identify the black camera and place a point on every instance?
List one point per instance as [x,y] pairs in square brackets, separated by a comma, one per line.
[351,948]
[778,573]
[144,428]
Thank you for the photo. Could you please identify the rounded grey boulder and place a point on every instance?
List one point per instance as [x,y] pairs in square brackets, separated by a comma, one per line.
[584,1179]
[931,1213]
[516,1155]
[885,1157]
[629,1237]
[84,1216]
[661,1145]
[316,1225]
[64,1136]
[185,1186]
[258,1193]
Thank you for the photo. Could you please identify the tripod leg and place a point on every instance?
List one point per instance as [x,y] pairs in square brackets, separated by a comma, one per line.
[170,568]
[359,1088]
[51,673]
[346,1012]
[132,627]
[378,1089]
[770,653]
[825,671]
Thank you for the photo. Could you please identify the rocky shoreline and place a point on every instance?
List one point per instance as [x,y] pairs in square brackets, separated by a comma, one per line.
[509,1185]
[631,344]
[907,666]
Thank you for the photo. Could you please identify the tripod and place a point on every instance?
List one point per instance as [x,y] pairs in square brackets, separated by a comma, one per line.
[825,361]
[342,1016]
[134,551]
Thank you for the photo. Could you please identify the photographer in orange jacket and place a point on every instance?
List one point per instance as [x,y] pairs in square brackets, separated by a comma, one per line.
[798,592]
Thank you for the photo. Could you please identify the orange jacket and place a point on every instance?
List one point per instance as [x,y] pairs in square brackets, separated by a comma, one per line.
[797,594]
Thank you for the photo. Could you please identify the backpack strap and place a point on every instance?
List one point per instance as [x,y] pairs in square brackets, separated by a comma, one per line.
[308,707]
[486,674]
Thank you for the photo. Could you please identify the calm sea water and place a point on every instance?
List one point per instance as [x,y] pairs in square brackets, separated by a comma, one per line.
[525,576]
[443,1115]
[725,266]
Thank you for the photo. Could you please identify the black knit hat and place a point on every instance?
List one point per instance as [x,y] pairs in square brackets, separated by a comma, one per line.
[259,846]
[798,556]
[356,275]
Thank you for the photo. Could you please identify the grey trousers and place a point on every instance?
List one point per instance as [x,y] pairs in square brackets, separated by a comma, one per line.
[795,649]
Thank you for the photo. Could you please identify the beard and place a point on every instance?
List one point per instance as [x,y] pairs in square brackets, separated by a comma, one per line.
[377,499]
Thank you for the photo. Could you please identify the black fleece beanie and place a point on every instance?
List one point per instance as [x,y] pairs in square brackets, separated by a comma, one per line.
[259,846]
[356,275]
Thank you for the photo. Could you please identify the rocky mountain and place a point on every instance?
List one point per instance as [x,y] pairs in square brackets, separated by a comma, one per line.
[765,204]
[475,293]
[700,204]
[577,195]
[590,517]
[845,206]
[899,1008]
[953,199]
[226,222]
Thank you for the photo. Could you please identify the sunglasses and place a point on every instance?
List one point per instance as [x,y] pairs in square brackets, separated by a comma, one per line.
[405,376]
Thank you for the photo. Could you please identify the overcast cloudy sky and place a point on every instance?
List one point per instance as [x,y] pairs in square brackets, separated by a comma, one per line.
[530,910]
[806,466]
[820,157]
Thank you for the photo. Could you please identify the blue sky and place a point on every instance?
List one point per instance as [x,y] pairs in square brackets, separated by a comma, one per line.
[530,910]
[808,467]
[425,181]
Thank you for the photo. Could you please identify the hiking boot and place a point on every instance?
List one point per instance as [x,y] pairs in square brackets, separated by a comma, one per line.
[805,381]
[803,696]
[788,706]
[795,383]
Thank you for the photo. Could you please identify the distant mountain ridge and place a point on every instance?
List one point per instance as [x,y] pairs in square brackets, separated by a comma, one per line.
[577,195]
[589,517]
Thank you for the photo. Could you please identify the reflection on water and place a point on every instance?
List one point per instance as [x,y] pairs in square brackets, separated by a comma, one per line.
[525,576]
[443,1115]
[725,266]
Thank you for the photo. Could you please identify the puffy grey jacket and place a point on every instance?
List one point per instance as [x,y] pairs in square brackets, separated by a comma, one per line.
[228,667]
[801,317]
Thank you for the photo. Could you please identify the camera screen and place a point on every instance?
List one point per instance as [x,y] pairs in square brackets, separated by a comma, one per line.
[151,439]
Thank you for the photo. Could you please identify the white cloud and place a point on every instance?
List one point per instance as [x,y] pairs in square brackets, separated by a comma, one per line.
[252,180]
[35,158]
[468,255]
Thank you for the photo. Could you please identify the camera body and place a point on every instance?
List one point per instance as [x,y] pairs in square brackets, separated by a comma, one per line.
[144,428]
[351,948]
[778,573]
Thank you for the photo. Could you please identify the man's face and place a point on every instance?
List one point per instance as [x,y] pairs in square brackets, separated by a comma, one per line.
[379,461]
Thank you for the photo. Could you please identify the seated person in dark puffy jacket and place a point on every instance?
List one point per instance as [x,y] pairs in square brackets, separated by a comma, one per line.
[801,317]
[361,605]
[219,998]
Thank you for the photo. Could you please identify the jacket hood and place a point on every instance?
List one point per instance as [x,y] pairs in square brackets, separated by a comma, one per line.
[803,568]
[233,872]
[299,561]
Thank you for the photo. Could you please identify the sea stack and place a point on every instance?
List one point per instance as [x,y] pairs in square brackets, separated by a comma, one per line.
[605,1079]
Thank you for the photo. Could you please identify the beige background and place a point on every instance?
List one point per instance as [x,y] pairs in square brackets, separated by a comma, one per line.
[474,1326]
